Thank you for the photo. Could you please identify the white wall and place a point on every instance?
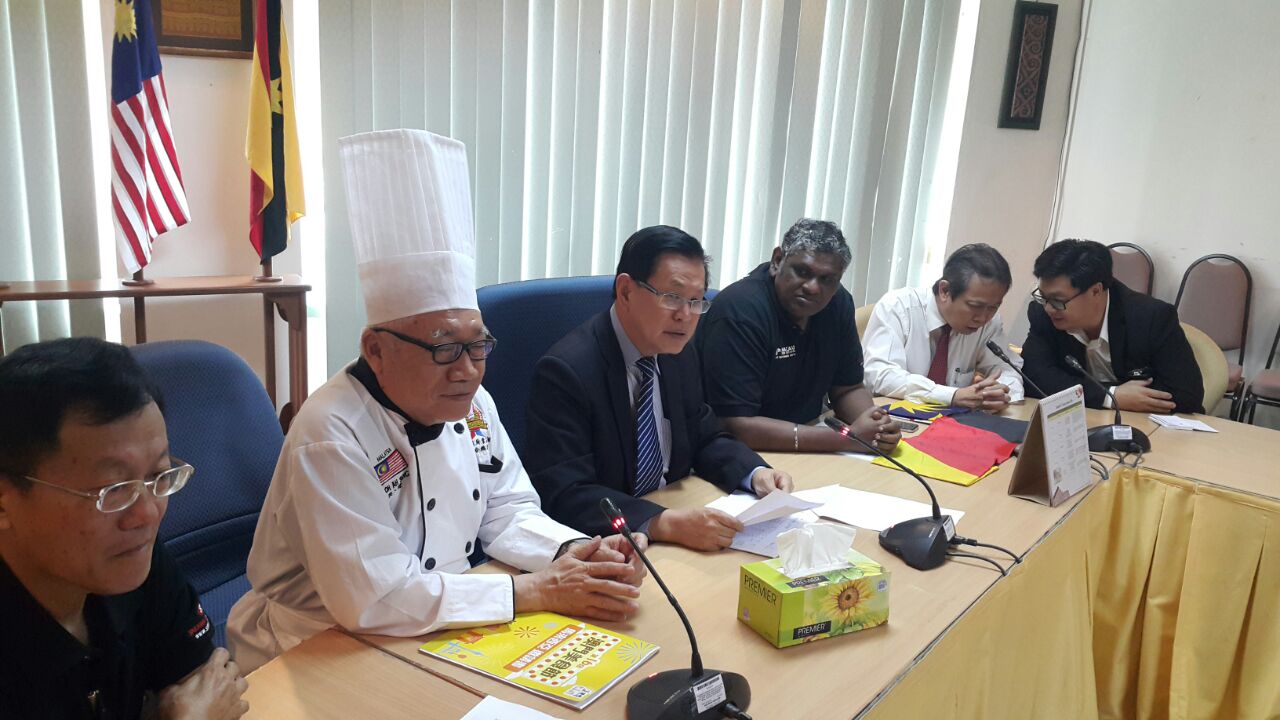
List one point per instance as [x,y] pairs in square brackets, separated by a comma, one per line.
[1006,179]
[1174,145]
[208,108]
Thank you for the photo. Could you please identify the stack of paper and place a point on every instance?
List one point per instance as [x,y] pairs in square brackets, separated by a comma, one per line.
[1173,422]
[868,510]
[778,512]
[764,519]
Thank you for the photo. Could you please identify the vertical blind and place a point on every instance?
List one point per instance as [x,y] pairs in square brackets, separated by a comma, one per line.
[586,120]
[48,229]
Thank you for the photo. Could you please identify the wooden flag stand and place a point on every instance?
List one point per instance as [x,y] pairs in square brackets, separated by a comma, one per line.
[267,276]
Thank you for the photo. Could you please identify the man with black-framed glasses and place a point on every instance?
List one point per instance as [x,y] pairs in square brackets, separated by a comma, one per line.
[97,620]
[616,408]
[398,470]
[1124,339]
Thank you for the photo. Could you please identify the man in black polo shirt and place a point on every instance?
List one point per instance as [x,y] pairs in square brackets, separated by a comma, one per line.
[780,341]
[97,620]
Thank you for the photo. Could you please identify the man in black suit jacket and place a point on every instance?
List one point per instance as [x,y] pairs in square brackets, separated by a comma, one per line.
[1124,339]
[616,408]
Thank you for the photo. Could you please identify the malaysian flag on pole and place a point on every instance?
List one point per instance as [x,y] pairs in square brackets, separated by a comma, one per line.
[147,198]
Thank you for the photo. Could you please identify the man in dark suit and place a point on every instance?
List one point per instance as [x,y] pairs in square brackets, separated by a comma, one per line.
[1124,339]
[616,408]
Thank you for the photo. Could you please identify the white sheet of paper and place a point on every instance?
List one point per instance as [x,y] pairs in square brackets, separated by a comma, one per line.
[764,518]
[734,503]
[491,708]
[749,511]
[761,538]
[868,510]
[1173,422]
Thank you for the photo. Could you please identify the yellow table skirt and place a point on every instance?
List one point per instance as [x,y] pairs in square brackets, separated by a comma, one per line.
[1158,597]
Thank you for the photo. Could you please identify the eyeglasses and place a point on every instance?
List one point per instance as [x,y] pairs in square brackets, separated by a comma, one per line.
[122,495]
[448,353]
[673,302]
[1054,303]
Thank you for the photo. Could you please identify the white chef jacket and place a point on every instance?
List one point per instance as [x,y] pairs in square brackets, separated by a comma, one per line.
[341,535]
[898,349]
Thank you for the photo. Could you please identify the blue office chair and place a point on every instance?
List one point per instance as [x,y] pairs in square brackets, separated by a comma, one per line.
[222,422]
[529,317]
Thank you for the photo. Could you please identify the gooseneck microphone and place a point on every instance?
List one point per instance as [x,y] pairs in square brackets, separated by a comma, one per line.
[922,542]
[674,694]
[999,352]
[1117,436]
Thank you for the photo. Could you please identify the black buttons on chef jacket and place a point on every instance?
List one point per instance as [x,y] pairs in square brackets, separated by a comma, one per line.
[431,563]
[468,547]
[457,427]
[475,495]
[431,504]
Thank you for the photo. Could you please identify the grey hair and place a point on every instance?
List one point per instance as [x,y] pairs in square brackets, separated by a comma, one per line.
[813,236]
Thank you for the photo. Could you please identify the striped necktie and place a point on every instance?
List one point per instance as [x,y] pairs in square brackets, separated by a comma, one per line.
[648,452]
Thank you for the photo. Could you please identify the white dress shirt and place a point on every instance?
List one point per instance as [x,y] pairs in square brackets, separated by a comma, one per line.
[1097,352]
[899,343]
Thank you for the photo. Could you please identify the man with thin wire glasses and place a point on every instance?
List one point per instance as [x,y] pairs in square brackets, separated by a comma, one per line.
[98,621]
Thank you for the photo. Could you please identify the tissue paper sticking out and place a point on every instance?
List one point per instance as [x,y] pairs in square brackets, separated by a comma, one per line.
[815,548]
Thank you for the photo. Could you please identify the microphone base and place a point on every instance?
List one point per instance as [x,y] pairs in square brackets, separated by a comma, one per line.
[921,543]
[670,695]
[1104,439]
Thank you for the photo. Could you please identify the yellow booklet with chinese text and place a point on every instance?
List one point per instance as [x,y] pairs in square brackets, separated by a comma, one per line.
[566,660]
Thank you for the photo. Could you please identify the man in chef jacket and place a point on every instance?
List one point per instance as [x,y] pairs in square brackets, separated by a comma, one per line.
[399,463]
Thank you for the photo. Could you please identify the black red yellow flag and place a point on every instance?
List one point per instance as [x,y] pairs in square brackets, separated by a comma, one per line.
[271,146]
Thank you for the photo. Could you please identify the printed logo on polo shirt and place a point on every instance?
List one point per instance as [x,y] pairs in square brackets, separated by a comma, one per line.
[391,470]
[784,353]
[480,434]
[201,628]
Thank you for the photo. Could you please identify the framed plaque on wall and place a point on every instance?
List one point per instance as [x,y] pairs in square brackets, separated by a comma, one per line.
[222,28]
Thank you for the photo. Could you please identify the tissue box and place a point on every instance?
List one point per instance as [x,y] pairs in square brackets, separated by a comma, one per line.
[789,611]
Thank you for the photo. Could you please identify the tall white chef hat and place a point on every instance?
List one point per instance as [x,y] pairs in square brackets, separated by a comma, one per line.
[409,202]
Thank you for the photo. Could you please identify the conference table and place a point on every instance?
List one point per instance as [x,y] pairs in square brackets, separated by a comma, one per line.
[961,640]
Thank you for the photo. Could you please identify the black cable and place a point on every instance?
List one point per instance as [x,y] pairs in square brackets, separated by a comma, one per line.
[958,540]
[733,711]
[993,563]
[1010,553]
[1099,467]
[1122,457]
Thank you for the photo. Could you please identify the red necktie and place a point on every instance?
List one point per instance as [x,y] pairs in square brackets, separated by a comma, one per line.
[938,368]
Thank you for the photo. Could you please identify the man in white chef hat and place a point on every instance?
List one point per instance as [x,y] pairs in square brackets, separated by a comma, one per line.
[399,463]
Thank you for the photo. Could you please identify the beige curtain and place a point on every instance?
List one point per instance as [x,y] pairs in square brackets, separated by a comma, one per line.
[1155,598]
[585,120]
[48,228]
